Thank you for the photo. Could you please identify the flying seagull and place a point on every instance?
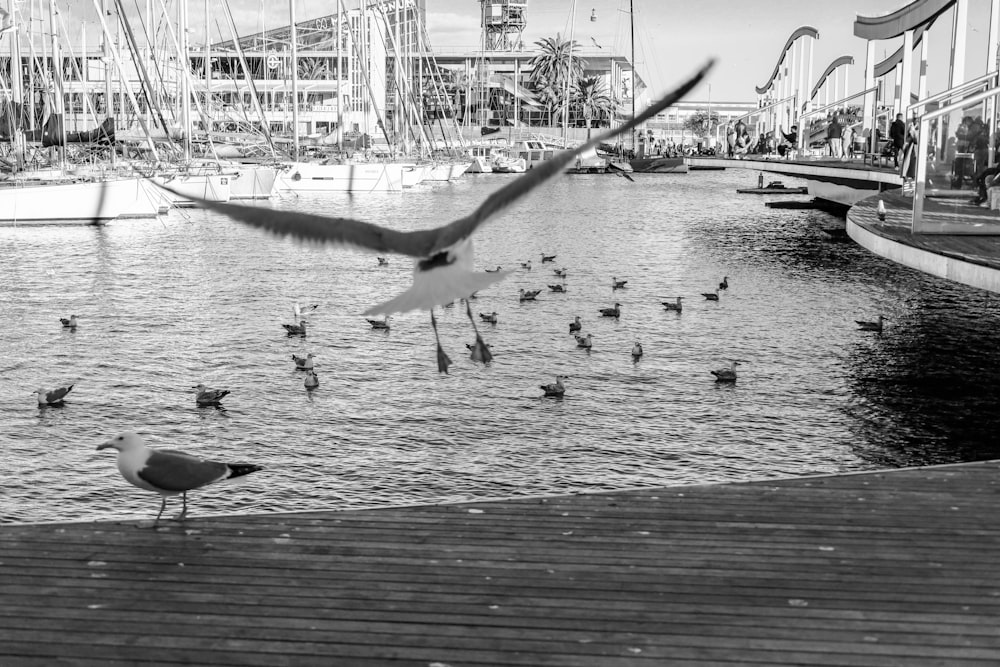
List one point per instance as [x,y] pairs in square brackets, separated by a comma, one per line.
[168,471]
[443,256]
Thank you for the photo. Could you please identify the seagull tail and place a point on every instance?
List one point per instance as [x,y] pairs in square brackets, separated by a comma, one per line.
[240,469]
[437,288]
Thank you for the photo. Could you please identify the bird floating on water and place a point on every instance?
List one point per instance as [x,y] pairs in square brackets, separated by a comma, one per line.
[612,312]
[53,397]
[382,324]
[303,363]
[871,326]
[206,396]
[727,374]
[68,322]
[560,272]
[575,324]
[311,381]
[711,296]
[673,305]
[548,258]
[725,283]
[557,288]
[557,389]
[296,329]
[298,313]
[489,317]
[383,261]
[496,270]
[528,295]
[617,284]
[526,265]
[443,256]
[636,350]
[167,471]
[584,341]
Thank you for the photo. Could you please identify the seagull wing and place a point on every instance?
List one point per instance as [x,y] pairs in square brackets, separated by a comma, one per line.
[424,243]
[57,394]
[507,195]
[172,470]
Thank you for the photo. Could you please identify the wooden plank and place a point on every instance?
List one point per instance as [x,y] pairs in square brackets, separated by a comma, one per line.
[883,568]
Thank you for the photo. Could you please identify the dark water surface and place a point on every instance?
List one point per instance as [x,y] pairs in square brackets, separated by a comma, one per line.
[194,297]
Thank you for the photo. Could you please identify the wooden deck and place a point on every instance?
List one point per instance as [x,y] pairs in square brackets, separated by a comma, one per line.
[981,250]
[891,568]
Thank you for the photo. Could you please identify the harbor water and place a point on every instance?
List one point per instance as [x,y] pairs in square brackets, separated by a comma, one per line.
[193,297]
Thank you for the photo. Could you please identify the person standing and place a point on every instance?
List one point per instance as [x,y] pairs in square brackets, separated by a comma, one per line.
[847,143]
[897,134]
[835,136]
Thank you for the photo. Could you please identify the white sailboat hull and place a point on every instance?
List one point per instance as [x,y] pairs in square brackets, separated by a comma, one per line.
[212,187]
[448,171]
[253,182]
[82,203]
[361,177]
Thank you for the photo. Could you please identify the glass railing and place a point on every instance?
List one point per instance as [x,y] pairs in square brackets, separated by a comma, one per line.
[951,179]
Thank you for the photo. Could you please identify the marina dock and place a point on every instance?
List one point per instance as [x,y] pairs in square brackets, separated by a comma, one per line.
[882,568]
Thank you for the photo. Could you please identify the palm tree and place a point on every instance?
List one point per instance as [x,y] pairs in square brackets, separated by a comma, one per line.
[592,98]
[314,69]
[552,69]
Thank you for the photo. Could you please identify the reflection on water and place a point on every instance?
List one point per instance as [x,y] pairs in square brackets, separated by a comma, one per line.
[194,298]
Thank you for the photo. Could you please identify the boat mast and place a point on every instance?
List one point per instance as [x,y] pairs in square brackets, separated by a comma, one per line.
[16,91]
[57,87]
[631,23]
[295,82]
[569,73]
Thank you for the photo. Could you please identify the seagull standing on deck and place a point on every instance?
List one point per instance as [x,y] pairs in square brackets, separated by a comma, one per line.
[168,471]
[443,256]
[206,396]
[54,397]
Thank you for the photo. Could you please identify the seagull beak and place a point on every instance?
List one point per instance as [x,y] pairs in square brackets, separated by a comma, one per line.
[104,445]
[443,361]
[480,352]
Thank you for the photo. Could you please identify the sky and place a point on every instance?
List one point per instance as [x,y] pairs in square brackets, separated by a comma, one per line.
[673,38]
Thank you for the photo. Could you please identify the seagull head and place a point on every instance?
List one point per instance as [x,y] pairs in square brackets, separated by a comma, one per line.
[199,388]
[123,442]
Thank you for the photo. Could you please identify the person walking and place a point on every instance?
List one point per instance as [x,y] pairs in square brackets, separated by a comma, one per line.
[897,134]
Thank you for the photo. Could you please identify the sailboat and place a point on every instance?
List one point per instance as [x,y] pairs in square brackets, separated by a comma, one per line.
[643,163]
[58,194]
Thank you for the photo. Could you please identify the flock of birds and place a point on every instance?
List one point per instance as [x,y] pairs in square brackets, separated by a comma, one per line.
[443,273]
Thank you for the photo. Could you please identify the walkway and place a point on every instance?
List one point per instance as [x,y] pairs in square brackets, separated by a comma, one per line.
[890,568]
